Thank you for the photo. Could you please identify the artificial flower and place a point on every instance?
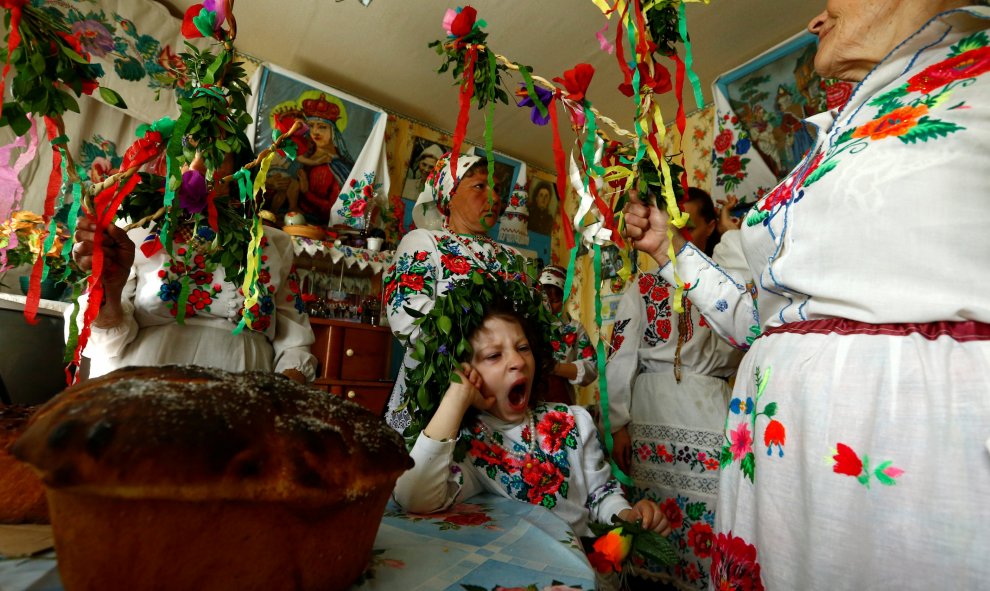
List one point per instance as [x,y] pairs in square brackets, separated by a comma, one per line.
[545,96]
[459,23]
[610,550]
[576,81]
[658,82]
[192,191]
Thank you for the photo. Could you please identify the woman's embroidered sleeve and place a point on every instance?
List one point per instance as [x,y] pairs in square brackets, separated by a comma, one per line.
[411,282]
[721,293]
[623,360]
[293,334]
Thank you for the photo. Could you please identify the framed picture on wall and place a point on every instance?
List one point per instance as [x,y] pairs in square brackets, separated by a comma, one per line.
[423,157]
[506,171]
[542,202]
[771,95]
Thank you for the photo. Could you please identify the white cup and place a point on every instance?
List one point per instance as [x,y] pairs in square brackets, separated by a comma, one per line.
[374,243]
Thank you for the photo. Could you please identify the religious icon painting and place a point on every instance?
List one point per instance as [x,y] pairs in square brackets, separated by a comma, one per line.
[334,169]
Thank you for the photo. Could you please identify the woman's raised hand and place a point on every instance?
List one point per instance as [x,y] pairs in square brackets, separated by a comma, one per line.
[118,253]
[646,228]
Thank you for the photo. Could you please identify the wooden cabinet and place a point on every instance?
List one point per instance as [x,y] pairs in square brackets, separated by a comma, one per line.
[354,361]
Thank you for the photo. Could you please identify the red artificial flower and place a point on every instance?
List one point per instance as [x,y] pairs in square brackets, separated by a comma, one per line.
[88,86]
[74,43]
[734,565]
[576,81]
[731,165]
[555,427]
[456,264]
[463,22]
[723,141]
[969,64]
[846,461]
[189,29]
[673,513]
[658,82]
[701,538]
[893,124]
[413,282]
[468,519]
[610,550]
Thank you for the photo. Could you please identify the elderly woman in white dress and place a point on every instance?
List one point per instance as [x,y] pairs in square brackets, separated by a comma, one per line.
[856,452]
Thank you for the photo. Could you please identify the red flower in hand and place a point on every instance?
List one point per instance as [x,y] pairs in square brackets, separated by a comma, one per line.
[610,550]
[576,81]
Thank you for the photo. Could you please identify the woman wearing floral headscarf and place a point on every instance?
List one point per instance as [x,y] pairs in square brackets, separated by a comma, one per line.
[427,261]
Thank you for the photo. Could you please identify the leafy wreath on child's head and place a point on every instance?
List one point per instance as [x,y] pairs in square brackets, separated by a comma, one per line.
[444,331]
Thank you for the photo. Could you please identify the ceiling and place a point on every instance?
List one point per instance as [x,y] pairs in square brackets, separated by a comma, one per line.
[379,53]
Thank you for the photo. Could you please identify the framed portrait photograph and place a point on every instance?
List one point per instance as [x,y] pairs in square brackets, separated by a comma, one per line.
[543,202]
[423,157]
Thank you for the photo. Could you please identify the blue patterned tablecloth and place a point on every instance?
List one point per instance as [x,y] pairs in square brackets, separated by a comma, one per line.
[488,542]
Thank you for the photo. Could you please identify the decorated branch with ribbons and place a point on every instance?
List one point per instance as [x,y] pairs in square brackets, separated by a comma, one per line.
[50,71]
[602,170]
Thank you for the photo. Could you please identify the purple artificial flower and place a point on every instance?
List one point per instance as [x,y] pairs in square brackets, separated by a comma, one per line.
[545,97]
[219,7]
[192,191]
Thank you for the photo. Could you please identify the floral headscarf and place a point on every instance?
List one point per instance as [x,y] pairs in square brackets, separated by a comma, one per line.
[439,188]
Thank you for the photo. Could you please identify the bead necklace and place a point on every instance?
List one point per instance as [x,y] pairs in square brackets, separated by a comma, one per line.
[531,447]
[470,251]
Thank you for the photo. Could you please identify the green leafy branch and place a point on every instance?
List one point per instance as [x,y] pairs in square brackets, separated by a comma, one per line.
[50,67]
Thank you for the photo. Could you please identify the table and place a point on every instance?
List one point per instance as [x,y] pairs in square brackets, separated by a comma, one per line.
[488,542]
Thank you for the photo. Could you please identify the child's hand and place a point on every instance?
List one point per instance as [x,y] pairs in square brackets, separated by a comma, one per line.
[650,516]
[468,390]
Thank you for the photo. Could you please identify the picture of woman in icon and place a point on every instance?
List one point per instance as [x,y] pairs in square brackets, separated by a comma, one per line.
[329,162]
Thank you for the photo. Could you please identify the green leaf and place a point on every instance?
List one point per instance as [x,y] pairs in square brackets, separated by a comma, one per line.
[655,547]
[444,324]
[413,312]
[770,409]
[111,97]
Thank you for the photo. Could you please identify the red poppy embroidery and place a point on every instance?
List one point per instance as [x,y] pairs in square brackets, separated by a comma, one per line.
[543,478]
[734,565]
[673,513]
[968,64]
[723,140]
[555,427]
[702,539]
[456,264]
[893,124]
[413,282]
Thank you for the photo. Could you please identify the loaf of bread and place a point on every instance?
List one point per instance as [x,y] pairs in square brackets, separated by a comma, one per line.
[190,478]
[22,498]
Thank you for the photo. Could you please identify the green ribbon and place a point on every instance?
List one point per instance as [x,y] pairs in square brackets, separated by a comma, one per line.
[489,139]
[602,381]
[164,126]
[73,218]
[180,310]
[531,90]
[69,355]
[699,97]
[243,178]
[289,147]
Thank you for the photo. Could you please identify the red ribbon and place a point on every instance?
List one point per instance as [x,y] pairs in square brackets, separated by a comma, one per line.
[679,76]
[14,6]
[620,54]
[54,182]
[211,211]
[464,100]
[559,160]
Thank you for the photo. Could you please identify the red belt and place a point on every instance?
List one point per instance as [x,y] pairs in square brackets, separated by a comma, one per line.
[969,330]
